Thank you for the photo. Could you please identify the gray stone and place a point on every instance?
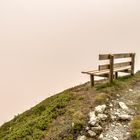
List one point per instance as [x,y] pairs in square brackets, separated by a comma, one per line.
[130,90]
[125,117]
[102,117]
[97,129]
[81,137]
[115,138]
[100,108]
[123,106]
[91,133]
[92,118]
[101,137]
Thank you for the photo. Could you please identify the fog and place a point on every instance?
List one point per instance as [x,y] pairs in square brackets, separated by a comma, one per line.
[45,44]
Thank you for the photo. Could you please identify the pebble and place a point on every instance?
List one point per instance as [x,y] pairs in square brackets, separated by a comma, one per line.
[115,138]
[81,137]
[100,108]
[123,106]
[91,133]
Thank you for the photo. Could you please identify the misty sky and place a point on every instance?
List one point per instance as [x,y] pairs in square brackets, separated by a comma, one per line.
[45,44]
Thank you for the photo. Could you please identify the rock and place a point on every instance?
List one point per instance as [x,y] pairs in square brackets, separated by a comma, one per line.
[81,137]
[102,117]
[87,128]
[93,123]
[92,118]
[115,138]
[130,90]
[123,106]
[72,124]
[125,117]
[97,129]
[113,118]
[111,105]
[91,133]
[100,108]
[101,137]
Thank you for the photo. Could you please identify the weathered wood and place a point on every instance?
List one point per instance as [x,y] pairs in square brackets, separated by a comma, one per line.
[111,68]
[116,56]
[107,66]
[92,80]
[133,63]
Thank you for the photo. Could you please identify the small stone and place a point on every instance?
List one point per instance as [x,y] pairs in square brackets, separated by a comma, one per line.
[100,108]
[118,95]
[97,128]
[124,117]
[111,105]
[130,90]
[92,123]
[87,128]
[102,117]
[81,137]
[123,106]
[113,117]
[101,137]
[91,133]
[115,138]
[92,118]
[72,124]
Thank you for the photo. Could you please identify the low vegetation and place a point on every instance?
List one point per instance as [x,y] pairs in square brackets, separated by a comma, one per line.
[63,116]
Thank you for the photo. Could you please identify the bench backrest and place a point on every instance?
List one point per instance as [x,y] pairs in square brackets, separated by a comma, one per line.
[111,58]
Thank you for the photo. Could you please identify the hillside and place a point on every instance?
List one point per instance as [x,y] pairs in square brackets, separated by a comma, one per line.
[65,116]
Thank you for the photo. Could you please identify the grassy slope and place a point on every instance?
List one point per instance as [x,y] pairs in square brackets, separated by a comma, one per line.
[63,116]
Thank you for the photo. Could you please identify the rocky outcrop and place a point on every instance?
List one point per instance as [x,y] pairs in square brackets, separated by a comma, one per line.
[109,122]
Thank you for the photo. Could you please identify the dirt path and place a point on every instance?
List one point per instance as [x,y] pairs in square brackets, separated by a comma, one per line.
[114,122]
[120,129]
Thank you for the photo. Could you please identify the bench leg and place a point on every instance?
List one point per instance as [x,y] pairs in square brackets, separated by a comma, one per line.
[116,75]
[92,80]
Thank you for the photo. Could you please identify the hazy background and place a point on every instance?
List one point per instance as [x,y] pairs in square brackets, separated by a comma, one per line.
[45,44]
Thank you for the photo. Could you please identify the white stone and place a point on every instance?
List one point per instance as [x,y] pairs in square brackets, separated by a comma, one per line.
[102,117]
[111,105]
[87,128]
[113,117]
[130,90]
[123,106]
[100,108]
[92,123]
[92,118]
[101,137]
[81,137]
[91,133]
[92,115]
[97,128]
[125,117]
[115,138]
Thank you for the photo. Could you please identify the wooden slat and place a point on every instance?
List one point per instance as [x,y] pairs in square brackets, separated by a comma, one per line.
[107,66]
[104,56]
[122,55]
[116,56]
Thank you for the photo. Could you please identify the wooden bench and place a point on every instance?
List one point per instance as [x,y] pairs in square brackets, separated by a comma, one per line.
[111,69]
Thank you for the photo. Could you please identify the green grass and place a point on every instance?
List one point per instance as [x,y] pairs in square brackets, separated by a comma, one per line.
[136,123]
[63,116]
[33,123]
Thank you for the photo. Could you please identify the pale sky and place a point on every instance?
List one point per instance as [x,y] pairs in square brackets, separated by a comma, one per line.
[45,44]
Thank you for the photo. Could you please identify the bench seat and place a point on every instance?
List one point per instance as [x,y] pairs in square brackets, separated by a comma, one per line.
[107,71]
